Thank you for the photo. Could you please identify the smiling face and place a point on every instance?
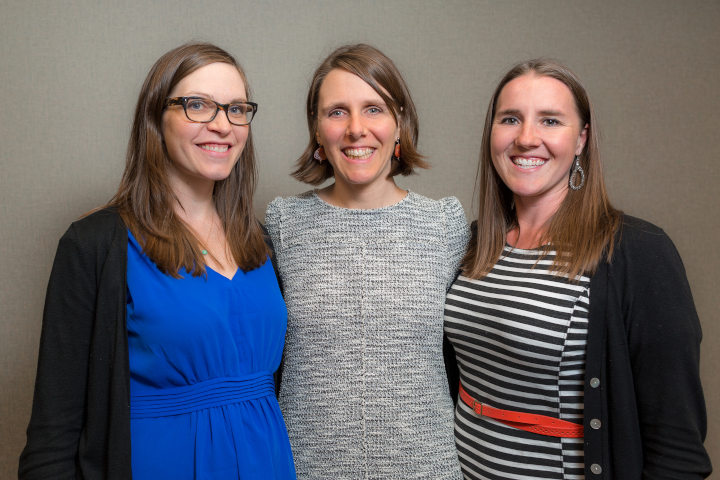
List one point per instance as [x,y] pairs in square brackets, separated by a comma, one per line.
[357,131]
[203,153]
[536,133]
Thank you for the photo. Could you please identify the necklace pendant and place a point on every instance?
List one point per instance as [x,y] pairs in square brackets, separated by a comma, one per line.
[203,251]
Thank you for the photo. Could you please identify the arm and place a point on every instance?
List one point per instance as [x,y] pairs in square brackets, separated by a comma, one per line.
[451,368]
[664,342]
[272,216]
[457,235]
[60,387]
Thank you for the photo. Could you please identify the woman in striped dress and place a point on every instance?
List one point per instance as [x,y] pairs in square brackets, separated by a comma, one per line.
[573,325]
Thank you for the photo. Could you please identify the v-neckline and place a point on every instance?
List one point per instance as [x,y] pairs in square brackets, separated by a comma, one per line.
[229,279]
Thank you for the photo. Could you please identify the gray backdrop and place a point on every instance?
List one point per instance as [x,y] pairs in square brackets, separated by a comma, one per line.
[71,72]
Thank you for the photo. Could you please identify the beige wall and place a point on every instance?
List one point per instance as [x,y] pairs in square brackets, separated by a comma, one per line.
[71,73]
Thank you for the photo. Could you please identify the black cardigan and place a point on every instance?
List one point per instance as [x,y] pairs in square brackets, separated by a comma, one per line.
[642,378]
[80,422]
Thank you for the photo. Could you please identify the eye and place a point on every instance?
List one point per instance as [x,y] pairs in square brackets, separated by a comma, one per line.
[199,104]
[337,113]
[509,121]
[374,110]
[551,122]
[239,109]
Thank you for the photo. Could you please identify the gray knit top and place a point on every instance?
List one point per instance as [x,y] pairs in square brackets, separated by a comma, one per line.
[364,390]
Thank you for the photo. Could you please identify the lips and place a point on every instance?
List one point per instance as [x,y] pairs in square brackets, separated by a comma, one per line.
[528,162]
[358,153]
[214,147]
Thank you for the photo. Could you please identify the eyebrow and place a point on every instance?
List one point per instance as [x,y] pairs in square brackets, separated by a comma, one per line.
[205,95]
[332,106]
[345,105]
[551,113]
[547,113]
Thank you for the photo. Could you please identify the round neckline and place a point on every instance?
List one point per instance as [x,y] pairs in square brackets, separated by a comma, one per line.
[362,210]
[534,250]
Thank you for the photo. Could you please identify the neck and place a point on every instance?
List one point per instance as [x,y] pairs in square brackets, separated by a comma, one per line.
[363,196]
[194,201]
[533,217]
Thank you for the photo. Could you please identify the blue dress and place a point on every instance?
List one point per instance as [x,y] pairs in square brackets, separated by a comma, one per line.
[202,355]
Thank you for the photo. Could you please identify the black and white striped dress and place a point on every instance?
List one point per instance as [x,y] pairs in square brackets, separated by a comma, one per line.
[519,336]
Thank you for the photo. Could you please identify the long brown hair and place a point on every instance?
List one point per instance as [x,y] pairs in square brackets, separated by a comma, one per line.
[582,229]
[378,71]
[144,198]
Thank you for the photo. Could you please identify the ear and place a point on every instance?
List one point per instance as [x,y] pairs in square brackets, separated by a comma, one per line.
[581,140]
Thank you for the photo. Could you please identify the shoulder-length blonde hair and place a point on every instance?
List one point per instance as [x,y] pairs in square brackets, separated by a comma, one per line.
[582,229]
[378,71]
[145,199]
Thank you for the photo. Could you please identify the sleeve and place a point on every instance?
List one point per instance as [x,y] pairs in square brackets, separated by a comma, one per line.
[457,234]
[452,371]
[273,215]
[272,232]
[664,339]
[57,417]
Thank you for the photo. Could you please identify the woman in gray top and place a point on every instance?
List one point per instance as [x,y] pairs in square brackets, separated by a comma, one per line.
[365,267]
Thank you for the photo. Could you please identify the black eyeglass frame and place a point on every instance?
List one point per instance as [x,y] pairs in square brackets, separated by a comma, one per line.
[218,106]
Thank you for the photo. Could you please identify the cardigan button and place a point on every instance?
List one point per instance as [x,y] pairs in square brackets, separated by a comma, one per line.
[594,382]
[595,424]
[596,469]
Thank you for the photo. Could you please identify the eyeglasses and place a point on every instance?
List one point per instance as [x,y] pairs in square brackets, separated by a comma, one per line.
[204,110]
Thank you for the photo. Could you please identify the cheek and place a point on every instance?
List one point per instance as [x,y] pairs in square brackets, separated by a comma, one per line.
[563,146]
[498,144]
[175,133]
[241,135]
[326,132]
[391,130]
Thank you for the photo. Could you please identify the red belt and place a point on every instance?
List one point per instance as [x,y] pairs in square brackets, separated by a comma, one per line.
[530,422]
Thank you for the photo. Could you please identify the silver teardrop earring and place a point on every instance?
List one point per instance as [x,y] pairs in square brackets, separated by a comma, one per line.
[575,170]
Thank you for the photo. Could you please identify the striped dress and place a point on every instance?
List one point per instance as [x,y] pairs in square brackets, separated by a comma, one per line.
[519,336]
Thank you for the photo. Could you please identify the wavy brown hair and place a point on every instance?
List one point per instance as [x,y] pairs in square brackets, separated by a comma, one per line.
[378,71]
[144,198]
[582,229]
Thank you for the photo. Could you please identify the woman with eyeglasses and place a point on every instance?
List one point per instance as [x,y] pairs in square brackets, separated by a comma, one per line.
[574,327]
[164,322]
[365,265]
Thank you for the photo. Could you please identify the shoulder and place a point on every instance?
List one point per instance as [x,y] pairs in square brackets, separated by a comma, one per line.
[453,209]
[96,231]
[99,222]
[644,251]
[297,203]
[641,239]
[447,206]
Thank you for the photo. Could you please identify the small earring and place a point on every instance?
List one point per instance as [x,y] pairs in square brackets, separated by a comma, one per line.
[575,170]
[396,154]
[319,154]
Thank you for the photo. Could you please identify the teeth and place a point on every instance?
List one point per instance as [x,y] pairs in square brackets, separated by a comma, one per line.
[214,148]
[528,162]
[359,153]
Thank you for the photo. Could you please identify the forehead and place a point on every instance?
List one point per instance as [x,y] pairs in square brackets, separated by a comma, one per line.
[219,81]
[341,85]
[537,92]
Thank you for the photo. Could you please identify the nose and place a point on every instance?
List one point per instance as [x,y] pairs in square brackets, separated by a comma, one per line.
[528,136]
[355,127]
[220,123]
